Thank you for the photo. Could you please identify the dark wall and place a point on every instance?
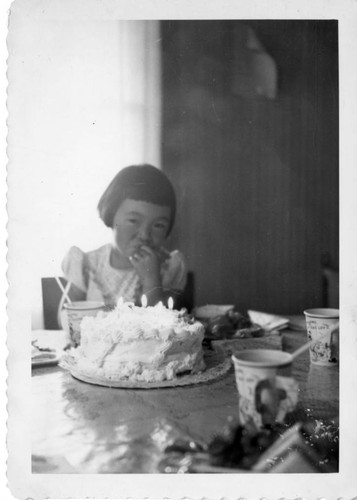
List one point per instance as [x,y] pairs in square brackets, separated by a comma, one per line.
[257,179]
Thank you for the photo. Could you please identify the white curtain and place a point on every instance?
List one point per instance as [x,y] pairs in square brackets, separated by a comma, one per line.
[84,101]
[140,91]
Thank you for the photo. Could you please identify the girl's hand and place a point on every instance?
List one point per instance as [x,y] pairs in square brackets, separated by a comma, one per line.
[147,264]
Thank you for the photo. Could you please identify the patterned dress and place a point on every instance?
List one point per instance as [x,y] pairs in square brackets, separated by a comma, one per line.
[92,273]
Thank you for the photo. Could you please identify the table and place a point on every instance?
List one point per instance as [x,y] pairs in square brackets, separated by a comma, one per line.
[83,428]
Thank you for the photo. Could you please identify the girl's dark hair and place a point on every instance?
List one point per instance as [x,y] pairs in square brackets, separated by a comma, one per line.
[137,182]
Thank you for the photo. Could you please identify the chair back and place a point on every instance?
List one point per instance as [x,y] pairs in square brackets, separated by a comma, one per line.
[330,287]
[187,298]
[330,283]
[53,299]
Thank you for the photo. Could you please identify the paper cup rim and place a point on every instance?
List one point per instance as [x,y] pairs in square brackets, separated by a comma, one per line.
[285,358]
[84,305]
[322,312]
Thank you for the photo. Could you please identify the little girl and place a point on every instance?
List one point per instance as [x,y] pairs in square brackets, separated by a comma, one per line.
[139,205]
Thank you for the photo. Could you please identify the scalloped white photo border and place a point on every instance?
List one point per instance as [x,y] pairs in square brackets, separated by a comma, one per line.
[330,486]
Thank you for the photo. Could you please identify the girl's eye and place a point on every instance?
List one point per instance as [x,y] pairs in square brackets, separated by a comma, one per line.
[160,226]
[132,221]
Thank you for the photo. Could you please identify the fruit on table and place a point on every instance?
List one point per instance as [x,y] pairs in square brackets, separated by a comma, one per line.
[225,326]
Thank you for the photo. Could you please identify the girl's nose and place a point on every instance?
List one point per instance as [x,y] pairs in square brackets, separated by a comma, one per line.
[145,234]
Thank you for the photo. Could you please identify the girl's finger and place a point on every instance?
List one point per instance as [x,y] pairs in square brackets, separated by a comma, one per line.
[147,250]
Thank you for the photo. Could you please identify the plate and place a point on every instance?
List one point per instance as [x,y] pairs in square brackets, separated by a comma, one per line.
[45,360]
[216,360]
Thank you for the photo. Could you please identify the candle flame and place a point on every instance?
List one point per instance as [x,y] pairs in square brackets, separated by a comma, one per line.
[170,303]
[144,301]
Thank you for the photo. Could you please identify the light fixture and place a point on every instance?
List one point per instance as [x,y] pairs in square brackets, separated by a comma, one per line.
[254,70]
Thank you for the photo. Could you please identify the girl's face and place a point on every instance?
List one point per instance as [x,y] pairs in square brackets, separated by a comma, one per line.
[138,223]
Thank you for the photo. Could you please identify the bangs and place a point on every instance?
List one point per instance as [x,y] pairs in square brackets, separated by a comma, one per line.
[149,193]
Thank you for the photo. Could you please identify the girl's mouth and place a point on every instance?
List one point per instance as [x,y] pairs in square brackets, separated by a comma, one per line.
[139,246]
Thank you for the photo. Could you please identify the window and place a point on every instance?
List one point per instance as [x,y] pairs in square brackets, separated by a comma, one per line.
[84,101]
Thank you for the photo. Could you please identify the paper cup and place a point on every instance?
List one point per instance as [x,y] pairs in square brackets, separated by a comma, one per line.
[322,332]
[75,312]
[264,397]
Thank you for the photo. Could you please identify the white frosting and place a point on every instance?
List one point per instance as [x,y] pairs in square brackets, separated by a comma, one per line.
[140,343]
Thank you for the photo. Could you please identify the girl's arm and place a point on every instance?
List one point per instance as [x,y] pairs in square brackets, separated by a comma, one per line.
[147,264]
[162,276]
[74,270]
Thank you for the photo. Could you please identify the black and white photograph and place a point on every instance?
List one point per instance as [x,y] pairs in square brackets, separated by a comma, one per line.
[181,252]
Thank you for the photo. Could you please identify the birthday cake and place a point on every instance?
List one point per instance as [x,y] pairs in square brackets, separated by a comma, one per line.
[133,343]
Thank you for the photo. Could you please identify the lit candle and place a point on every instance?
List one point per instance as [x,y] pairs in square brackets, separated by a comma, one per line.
[170,303]
[144,301]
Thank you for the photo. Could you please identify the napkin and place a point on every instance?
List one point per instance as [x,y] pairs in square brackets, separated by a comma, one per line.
[267,321]
[310,446]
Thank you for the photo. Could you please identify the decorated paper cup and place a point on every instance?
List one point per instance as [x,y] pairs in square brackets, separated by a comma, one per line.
[76,311]
[264,396]
[323,334]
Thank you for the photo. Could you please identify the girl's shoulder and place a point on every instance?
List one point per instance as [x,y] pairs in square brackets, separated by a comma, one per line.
[81,267]
[176,258]
[99,254]
[74,254]
[174,271]
[77,254]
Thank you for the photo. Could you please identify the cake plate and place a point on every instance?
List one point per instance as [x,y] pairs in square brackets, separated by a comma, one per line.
[216,360]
